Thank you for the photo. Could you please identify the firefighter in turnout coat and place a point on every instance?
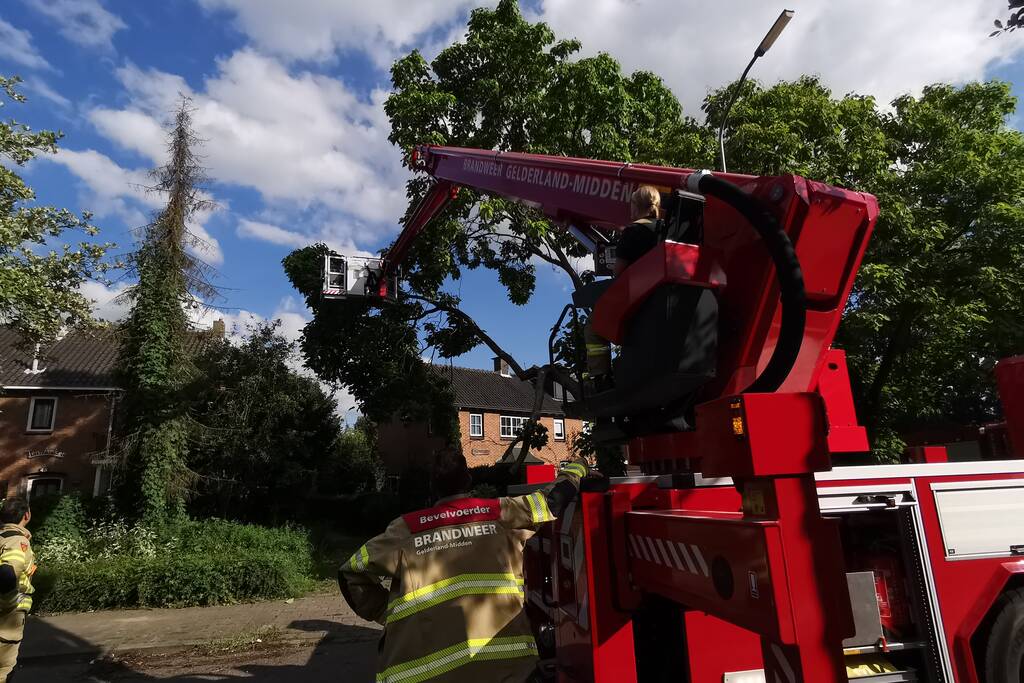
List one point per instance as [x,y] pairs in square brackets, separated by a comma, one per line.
[17,564]
[455,608]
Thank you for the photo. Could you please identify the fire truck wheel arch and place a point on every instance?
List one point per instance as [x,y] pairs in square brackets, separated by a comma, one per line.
[1004,649]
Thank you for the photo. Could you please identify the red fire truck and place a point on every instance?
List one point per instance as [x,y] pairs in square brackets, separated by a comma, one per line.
[741,554]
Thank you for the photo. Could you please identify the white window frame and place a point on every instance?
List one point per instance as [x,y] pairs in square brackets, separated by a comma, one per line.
[32,412]
[511,425]
[478,434]
[31,481]
[559,429]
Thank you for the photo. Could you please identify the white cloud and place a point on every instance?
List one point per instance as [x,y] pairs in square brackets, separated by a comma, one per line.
[105,177]
[875,47]
[306,142]
[271,233]
[16,46]
[106,305]
[206,246]
[319,30]
[84,22]
[43,89]
[117,191]
[333,235]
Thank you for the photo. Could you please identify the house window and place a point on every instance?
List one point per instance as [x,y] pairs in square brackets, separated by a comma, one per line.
[559,429]
[41,414]
[476,426]
[44,486]
[511,426]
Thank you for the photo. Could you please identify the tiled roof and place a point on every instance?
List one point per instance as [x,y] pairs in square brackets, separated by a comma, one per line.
[80,359]
[493,392]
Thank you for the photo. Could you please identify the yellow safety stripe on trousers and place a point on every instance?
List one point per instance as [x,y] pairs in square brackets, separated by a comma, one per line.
[25,603]
[598,349]
[360,559]
[539,510]
[574,468]
[460,654]
[451,588]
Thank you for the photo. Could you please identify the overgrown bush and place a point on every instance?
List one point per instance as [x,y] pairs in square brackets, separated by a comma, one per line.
[208,576]
[106,564]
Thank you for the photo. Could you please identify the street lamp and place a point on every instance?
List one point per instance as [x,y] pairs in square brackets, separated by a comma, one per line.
[766,43]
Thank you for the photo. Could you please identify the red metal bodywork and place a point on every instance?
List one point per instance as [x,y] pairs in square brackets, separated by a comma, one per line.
[1010,376]
[757,553]
[964,590]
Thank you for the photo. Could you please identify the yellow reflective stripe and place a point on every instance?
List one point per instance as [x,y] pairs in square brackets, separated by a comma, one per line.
[575,468]
[539,508]
[597,349]
[455,656]
[534,512]
[430,588]
[360,559]
[546,515]
[12,555]
[450,589]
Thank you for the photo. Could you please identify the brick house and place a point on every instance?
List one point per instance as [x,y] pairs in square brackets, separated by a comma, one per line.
[56,414]
[492,405]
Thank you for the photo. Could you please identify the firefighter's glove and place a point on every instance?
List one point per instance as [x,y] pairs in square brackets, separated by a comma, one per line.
[576,466]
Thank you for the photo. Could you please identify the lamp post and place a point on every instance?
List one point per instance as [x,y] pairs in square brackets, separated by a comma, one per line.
[766,43]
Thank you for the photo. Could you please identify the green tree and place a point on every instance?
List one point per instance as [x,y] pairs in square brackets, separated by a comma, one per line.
[40,274]
[155,342]
[354,466]
[940,296]
[508,85]
[267,431]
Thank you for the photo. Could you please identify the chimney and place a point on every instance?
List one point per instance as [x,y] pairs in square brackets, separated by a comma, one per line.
[502,367]
[218,328]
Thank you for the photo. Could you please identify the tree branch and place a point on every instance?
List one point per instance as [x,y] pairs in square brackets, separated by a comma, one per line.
[577,282]
[893,350]
[456,312]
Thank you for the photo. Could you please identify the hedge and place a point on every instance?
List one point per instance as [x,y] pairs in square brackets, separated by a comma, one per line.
[190,563]
[184,580]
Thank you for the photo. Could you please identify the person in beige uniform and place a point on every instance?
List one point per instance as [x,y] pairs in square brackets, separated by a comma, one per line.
[17,564]
[455,608]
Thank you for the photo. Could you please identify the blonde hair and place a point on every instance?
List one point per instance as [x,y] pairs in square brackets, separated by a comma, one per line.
[646,201]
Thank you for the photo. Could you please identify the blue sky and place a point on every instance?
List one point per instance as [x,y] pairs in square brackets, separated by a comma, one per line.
[288,95]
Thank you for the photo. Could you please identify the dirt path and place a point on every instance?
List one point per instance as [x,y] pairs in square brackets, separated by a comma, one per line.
[311,639]
[329,661]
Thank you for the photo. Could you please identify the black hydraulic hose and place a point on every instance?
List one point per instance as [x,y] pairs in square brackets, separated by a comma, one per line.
[787,271]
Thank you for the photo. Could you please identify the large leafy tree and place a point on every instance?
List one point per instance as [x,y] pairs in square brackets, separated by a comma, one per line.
[508,85]
[938,299]
[940,296]
[156,340]
[40,272]
[267,433]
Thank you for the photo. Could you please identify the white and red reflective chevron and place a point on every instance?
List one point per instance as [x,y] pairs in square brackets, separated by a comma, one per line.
[673,554]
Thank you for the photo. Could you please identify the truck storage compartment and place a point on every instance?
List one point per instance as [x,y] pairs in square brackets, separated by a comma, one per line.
[895,636]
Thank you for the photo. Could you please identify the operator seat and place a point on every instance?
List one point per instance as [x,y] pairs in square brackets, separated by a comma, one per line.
[668,353]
